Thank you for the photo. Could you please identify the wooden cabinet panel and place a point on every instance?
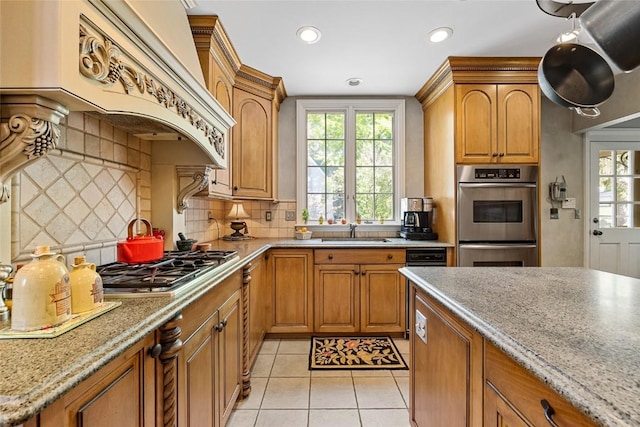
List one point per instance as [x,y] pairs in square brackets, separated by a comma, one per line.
[359,290]
[198,362]
[252,145]
[290,297]
[209,364]
[337,298]
[476,123]
[446,370]
[522,392]
[360,256]
[499,413]
[122,393]
[382,302]
[497,123]
[518,123]
[257,307]
[230,355]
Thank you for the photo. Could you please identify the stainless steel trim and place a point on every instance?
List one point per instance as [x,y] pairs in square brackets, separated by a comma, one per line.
[497,185]
[493,246]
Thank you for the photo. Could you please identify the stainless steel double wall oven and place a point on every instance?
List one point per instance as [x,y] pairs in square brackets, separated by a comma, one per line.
[497,215]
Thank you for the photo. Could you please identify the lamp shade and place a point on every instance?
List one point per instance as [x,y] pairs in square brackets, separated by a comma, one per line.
[237,211]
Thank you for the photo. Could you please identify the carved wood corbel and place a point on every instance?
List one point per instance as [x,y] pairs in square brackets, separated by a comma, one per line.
[199,176]
[30,131]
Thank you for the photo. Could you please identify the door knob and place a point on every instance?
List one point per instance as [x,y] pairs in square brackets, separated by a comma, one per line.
[596,220]
[597,233]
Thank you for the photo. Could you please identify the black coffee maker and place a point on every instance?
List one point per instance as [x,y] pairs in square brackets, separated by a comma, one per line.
[416,219]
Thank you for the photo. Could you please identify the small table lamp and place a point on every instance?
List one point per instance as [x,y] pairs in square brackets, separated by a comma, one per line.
[236,213]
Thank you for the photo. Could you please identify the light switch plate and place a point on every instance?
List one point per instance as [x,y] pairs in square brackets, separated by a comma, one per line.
[267,216]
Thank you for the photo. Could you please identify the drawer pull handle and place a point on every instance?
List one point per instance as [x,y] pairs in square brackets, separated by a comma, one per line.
[548,412]
[330,256]
[155,351]
[390,256]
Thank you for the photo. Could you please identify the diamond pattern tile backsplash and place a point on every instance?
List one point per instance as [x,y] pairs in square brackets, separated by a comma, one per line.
[77,203]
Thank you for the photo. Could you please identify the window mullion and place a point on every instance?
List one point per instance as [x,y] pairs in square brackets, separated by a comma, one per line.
[350,164]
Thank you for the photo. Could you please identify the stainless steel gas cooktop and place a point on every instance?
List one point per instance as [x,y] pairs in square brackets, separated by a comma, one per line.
[165,276]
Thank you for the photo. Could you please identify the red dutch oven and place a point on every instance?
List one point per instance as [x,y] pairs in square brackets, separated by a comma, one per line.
[141,247]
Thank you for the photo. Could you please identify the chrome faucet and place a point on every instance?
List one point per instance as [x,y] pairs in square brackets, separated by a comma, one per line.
[352,230]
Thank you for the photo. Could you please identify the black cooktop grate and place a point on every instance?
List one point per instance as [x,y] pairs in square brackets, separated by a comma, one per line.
[166,274]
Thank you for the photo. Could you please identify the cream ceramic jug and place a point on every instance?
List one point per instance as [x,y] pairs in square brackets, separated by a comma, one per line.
[41,292]
[86,286]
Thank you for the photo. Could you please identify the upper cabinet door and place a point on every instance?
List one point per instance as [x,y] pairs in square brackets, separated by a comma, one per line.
[518,123]
[476,120]
[252,146]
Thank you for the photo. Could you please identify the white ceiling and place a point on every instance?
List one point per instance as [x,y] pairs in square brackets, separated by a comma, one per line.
[383,42]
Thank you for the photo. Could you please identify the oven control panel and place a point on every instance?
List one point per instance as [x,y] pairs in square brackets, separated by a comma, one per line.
[493,173]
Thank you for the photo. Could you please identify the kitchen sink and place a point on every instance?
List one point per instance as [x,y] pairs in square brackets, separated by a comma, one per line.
[354,239]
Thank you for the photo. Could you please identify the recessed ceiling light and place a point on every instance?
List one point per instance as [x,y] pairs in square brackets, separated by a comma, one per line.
[440,34]
[354,81]
[308,35]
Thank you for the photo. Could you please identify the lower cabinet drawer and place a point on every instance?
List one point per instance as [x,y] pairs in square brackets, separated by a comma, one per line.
[523,393]
[360,256]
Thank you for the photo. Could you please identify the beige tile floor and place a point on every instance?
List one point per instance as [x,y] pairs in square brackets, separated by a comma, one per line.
[284,393]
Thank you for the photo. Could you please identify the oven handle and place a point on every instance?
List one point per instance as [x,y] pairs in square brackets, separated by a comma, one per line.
[497,185]
[498,246]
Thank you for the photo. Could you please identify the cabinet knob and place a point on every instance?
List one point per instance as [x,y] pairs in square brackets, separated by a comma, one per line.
[494,155]
[330,256]
[501,154]
[363,272]
[155,351]
[214,182]
[235,188]
[390,256]
[548,412]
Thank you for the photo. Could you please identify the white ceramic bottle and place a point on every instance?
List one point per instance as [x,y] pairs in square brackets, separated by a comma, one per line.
[86,286]
[41,292]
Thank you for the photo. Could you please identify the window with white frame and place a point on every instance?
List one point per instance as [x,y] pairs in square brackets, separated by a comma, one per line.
[350,158]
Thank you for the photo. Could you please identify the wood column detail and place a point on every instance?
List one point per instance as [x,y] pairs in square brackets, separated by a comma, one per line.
[171,344]
[246,374]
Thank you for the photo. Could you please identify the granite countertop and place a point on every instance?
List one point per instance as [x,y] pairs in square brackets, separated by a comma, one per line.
[577,330]
[35,372]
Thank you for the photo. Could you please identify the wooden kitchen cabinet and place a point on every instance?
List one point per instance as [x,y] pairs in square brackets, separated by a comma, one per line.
[473,108]
[359,291]
[256,102]
[209,362]
[497,123]
[513,396]
[446,371]
[122,393]
[219,62]
[290,291]
[254,297]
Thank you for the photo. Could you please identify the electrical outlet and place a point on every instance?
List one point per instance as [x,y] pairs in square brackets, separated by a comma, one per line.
[578,214]
[554,213]
[289,215]
[267,216]
[569,203]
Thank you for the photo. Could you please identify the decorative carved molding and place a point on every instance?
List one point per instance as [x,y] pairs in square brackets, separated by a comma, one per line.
[246,373]
[171,344]
[100,61]
[30,132]
[200,180]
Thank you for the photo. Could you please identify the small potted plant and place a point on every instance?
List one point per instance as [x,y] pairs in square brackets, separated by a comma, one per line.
[305,215]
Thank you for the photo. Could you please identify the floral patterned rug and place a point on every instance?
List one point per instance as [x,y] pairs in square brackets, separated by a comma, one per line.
[355,353]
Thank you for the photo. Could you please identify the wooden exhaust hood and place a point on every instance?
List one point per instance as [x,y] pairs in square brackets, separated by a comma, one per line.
[129,61]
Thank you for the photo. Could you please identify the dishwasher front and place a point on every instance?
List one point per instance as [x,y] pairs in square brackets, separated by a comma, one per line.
[421,257]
